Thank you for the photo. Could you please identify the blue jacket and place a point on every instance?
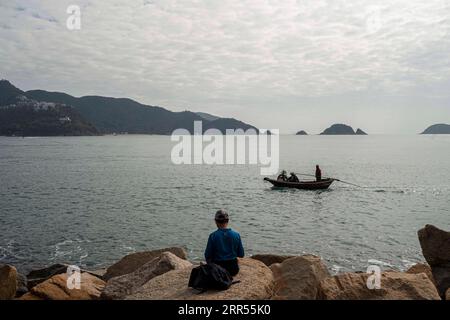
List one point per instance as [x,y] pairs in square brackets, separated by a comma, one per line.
[224,244]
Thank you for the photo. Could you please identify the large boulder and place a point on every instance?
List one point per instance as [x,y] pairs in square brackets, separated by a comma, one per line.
[56,288]
[21,285]
[99,273]
[35,277]
[8,282]
[421,268]
[269,259]
[441,277]
[298,278]
[119,287]
[256,283]
[394,286]
[435,245]
[133,261]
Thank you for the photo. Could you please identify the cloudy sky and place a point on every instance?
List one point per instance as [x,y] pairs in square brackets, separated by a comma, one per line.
[381,65]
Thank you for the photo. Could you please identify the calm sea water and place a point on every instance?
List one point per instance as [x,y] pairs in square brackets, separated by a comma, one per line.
[91,200]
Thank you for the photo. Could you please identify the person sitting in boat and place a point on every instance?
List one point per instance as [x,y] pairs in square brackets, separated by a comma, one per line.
[224,245]
[293,178]
[283,176]
[318,173]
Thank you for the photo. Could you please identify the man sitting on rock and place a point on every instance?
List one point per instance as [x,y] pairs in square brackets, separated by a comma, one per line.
[224,245]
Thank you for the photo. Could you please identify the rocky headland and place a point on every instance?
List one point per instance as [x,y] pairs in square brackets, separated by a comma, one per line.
[440,128]
[342,129]
[163,275]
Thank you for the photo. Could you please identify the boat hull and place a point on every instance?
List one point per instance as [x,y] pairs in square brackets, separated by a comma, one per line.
[305,185]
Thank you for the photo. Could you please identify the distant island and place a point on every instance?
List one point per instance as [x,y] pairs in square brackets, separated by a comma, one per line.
[342,129]
[440,128]
[104,114]
[301,133]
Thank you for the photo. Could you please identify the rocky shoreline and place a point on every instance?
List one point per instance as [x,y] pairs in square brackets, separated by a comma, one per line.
[163,275]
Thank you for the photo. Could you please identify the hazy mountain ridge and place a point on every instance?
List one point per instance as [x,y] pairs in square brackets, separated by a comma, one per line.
[120,115]
[126,115]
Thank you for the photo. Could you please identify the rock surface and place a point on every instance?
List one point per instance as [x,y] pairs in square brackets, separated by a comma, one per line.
[8,282]
[99,273]
[40,275]
[256,284]
[435,245]
[301,133]
[394,286]
[119,287]
[441,277]
[56,288]
[269,259]
[298,278]
[133,261]
[21,285]
[421,268]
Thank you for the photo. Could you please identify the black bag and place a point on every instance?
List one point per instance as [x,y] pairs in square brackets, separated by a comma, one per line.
[210,276]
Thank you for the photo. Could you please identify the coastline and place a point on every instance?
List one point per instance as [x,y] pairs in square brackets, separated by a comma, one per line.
[163,275]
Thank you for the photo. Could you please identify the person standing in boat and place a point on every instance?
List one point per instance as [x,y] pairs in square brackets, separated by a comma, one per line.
[224,245]
[318,173]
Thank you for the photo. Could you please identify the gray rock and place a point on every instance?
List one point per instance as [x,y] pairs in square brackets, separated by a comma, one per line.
[394,286]
[56,288]
[298,278]
[422,268]
[269,259]
[21,285]
[40,275]
[133,261]
[441,275]
[256,283]
[119,287]
[435,245]
[8,282]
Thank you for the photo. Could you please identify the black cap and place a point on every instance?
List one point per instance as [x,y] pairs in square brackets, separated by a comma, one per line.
[221,216]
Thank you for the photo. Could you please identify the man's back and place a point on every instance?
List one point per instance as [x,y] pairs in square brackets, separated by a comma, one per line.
[224,244]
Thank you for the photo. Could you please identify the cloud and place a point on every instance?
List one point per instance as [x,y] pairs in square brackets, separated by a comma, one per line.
[246,59]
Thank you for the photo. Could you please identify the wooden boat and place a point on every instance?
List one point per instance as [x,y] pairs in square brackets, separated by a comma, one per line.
[306,185]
